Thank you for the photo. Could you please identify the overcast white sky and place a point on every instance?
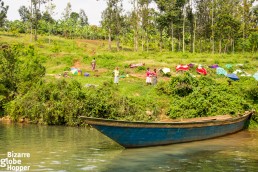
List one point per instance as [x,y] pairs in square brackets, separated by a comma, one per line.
[92,8]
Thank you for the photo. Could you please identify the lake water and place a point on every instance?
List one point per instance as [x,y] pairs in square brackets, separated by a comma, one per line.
[61,149]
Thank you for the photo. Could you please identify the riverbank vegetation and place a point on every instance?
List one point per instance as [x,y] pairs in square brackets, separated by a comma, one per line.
[38,52]
[34,87]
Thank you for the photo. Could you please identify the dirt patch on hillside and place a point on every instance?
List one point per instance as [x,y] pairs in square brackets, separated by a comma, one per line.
[76,64]
[87,67]
[91,47]
[94,42]
[138,75]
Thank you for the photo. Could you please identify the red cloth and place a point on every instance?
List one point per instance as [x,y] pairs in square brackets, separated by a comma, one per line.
[201,70]
[154,74]
[182,67]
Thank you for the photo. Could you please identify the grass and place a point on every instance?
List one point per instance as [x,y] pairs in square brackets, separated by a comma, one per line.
[61,54]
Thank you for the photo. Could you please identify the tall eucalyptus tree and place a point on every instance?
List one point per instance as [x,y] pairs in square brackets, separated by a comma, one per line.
[35,15]
[112,20]
[65,22]
[83,18]
[191,18]
[246,18]
[24,13]
[3,12]
[168,9]
[50,10]
[135,22]
[145,14]
[226,24]
[171,14]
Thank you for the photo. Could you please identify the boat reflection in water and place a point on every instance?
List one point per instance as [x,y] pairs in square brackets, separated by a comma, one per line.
[235,152]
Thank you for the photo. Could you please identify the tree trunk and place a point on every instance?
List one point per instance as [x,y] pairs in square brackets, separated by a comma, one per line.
[31,13]
[220,42]
[123,38]
[136,41]
[36,22]
[244,23]
[143,42]
[172,37]
[117,44]
[109,39]
[147,42]
[184,34]
[212,28]
[136,29]
[233,45]
[226,46]
[161,42]
[200,46]
[35,34]
[194,35]
[179,43]
[49,32]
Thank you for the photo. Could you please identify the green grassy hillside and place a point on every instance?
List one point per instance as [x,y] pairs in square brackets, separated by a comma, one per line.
[160,101]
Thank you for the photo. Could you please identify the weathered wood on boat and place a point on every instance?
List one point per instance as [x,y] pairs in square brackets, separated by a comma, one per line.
[141,134]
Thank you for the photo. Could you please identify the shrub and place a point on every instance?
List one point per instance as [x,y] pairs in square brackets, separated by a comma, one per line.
[247,87]
[141,68]
[182,86]
[62,102]
[208,101]
[19,69]
[198,97]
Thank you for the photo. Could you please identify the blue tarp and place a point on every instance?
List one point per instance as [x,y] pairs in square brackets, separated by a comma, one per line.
[233,76]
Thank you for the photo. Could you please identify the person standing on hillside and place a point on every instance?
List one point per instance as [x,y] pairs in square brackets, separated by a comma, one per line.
[116,75]
[148,77]
[154,77]
[93,64]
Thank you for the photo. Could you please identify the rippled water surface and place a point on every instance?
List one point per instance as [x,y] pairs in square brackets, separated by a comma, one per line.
[57,148]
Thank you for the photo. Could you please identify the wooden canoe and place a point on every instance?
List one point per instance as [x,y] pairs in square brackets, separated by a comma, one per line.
[142,134]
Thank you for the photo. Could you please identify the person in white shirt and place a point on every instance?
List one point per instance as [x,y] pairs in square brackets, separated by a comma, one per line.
[116,75]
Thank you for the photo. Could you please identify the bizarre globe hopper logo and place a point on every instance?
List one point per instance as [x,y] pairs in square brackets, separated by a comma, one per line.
[13,161]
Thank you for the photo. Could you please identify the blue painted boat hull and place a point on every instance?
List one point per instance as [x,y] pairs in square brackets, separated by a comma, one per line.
[141,134]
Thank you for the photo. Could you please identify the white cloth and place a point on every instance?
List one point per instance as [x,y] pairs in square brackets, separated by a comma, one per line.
[148,79]
[116,79]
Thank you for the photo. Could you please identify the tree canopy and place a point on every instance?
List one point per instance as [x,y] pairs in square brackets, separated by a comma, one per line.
[217,26]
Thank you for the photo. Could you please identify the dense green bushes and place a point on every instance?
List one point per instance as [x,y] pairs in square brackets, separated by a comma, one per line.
[108,61]
[19,69]
[62,102]
[197,97]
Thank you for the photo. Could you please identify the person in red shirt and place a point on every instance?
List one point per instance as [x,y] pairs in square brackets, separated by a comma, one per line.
[154,77]
[148,76]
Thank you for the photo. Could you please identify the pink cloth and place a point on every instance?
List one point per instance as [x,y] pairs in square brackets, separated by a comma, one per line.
[148,73]
[136,65]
